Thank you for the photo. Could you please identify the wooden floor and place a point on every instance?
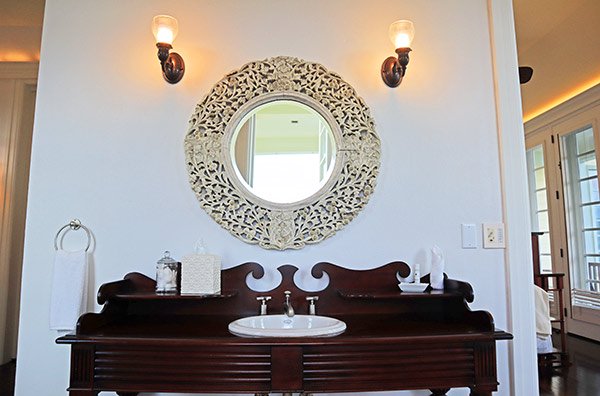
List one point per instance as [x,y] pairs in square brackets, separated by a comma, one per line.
[7,379]
[582,378]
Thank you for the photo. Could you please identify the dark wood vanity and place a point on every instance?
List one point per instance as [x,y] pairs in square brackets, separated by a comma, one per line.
[144,342]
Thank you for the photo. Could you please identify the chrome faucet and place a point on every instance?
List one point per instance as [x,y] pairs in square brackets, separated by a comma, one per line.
[263,304]
[312,308]
[287,306]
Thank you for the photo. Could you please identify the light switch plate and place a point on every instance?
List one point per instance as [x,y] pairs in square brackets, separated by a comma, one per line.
[493,236]
[469,236]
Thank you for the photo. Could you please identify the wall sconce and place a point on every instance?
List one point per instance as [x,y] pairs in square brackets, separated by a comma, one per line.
[165,30]
[393,69]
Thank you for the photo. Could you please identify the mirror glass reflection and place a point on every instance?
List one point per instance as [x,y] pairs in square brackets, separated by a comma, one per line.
[283,151]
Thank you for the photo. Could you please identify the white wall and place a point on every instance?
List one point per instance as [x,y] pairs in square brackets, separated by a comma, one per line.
[108,142]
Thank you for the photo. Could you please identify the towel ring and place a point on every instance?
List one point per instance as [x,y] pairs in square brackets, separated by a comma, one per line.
[74,225]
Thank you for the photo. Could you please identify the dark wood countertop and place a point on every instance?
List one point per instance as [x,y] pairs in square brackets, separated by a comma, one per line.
[213,328]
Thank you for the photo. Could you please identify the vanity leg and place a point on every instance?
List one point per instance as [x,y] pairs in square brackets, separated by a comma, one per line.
[480,392]
[439,392]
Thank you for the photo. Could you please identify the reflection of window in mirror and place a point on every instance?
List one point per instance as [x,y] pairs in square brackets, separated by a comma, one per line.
[284,151]
[285,177]
[325,149]
[244,150]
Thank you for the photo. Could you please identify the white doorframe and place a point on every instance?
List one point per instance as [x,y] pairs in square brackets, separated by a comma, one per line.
[16,81]
[511,142]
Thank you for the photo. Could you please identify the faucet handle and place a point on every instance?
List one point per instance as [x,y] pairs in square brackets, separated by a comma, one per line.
[312,308]
[263,303]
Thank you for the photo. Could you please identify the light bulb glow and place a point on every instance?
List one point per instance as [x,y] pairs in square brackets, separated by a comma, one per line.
[402,33]
[164,35]
[164,28]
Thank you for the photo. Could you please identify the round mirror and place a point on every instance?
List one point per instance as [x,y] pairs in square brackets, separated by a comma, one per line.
[283,151]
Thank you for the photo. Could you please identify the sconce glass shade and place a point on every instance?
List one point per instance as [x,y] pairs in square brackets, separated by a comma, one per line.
[402,33]
[164,28]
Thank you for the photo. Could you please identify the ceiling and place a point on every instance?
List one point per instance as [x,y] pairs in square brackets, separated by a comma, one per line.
[21,12]
[21,30]
[560,39]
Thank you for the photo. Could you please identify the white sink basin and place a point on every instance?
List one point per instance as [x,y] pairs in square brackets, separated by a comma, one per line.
[283,326]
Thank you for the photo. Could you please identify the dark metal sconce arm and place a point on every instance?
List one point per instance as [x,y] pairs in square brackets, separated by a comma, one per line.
[393,69]
[172,63]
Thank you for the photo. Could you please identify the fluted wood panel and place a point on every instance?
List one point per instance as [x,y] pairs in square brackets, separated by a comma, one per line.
[343,368]
[485,363]
[190,369]
[82,366]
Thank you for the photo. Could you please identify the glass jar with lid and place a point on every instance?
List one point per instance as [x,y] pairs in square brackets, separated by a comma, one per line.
[167,270]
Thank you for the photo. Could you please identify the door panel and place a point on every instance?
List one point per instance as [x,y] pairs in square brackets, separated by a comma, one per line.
[578,148]
[546,204]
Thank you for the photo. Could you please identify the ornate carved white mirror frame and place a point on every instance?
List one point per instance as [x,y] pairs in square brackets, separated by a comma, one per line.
[281,225]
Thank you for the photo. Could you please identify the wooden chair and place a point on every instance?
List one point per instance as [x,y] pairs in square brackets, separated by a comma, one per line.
[552,283]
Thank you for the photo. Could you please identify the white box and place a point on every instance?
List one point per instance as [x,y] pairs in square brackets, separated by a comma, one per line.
[201,274]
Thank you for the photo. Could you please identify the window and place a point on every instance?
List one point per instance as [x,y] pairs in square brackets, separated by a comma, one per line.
[538,200]
[583,212]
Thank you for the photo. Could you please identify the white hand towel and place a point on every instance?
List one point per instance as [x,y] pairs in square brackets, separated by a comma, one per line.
[69,289]
[436,275]
[543,326]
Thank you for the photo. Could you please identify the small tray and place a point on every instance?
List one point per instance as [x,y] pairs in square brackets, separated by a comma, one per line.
[413,287]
